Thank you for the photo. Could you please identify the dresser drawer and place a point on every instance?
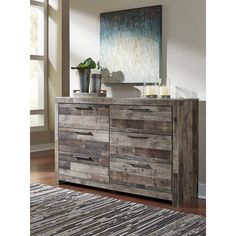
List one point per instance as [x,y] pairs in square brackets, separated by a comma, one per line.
[141,161]
[161,143]
[83,116]
[65,158]
[141,119]
[85,172]
[84,146]
[154,177]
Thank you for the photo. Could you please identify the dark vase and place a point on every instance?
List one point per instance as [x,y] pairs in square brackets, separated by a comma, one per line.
[96,81]
[84,77]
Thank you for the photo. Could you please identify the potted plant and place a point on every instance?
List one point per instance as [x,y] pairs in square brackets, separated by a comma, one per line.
[84,70]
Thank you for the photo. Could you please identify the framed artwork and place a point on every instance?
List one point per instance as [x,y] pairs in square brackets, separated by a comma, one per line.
[130,45]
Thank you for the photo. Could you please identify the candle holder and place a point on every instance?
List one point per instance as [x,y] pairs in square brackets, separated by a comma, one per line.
[165,96]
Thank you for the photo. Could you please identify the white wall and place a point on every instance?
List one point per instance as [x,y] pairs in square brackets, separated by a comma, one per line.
[184,47]
[183,31]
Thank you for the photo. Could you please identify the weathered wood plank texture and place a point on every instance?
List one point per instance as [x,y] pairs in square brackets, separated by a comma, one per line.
[185,152]
[56,145]
[160,142]
[121,101]
[84,116]
[141,171]
[84,153]
[88,143]
[141,119]
[116,187]
[95,160]
[85,171]
[140,146]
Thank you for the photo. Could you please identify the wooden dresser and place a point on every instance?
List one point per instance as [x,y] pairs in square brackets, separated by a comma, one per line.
[140,146]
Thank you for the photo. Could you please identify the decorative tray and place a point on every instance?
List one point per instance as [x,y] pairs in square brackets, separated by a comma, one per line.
[100,93]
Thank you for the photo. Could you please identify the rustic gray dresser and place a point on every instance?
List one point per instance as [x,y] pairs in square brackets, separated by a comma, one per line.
[140,146]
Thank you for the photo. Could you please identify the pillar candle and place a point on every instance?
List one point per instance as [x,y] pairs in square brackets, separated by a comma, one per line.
[150,90]
[164,91]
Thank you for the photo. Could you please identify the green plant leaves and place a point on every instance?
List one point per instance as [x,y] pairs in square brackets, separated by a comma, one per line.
[89,63]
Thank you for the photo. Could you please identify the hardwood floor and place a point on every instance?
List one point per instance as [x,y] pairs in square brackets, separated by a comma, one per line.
[42,171]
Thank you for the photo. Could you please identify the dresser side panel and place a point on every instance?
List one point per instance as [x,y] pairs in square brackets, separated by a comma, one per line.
[56,144]
[187,152]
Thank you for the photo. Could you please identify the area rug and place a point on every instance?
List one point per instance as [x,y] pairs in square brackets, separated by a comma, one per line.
[57,211]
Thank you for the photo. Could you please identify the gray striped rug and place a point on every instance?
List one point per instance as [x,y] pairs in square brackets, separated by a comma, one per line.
[57,211]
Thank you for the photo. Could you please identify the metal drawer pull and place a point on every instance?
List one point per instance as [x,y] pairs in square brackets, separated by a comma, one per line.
[83,158]
[141,166]
[139,109]
[84,133]
[139,137]
[84,108]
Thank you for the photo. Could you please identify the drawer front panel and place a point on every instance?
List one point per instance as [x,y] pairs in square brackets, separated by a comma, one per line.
[141,119]
[83,116]
[86,172]
[154,177]
[84,146]
[65,158]
[141,161]
[146,141]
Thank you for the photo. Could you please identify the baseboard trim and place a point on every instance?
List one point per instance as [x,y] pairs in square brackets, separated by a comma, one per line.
[42,147]
[201,191]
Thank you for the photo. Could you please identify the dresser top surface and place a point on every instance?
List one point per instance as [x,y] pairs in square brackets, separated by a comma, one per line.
[121,101]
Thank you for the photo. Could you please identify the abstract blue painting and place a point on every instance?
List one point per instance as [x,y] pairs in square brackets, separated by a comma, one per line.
[130,45]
